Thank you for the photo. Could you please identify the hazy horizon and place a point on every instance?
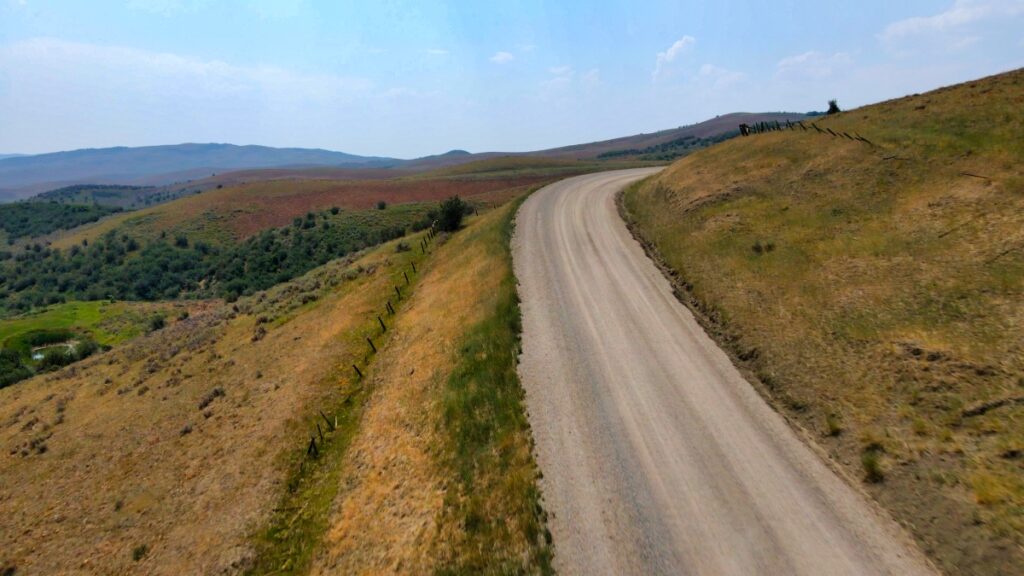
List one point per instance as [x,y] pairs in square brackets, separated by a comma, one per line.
[402,80]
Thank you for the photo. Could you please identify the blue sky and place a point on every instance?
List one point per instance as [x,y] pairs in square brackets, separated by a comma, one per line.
[407,79]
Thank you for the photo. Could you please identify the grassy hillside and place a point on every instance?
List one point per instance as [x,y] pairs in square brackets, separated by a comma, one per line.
[187,450]
[239,211]
[170,448]
[877,293]
[438,476]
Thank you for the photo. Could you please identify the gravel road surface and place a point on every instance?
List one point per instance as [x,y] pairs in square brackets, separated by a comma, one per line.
[658,457]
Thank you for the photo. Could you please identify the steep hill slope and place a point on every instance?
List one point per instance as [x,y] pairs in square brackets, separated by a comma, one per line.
[875,290]
[187,450]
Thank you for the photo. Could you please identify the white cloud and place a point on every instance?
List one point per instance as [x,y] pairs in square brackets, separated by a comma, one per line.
[55,93]
[565,81]
[437,52]
[964,42]
[267,9]
[167,7]
[502,57]
[960,14]
[812,64]
[590,79]
[717,78]
[670,55]
[55,62]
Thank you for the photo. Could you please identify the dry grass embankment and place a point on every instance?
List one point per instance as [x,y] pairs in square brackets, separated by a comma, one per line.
[440,477]
[877,293]
[166,454]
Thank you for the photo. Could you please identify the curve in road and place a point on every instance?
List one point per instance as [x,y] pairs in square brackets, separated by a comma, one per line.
[658,457]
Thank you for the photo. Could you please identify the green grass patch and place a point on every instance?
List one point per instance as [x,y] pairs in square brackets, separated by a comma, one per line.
[108,323]
[498,502]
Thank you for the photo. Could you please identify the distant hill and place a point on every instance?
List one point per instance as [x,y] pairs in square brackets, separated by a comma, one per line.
[2,156]
[104,195]
[707,129]
[643,144]
[156,165]
[207,165]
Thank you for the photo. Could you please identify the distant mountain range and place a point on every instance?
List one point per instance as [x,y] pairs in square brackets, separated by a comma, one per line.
[155,165]
[22,176]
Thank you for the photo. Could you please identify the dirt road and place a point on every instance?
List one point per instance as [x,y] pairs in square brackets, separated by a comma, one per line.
[658,457]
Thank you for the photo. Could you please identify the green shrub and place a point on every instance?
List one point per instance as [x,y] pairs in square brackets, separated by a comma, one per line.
[453,210]
[55,358]
[871,459]
[139,552]
[156,323]
[11,368]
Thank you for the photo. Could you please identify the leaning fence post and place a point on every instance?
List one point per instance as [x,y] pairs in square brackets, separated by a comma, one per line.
[406,277]
[320,432]
[312,451]
[413,267]
[358,373]
[372,347]
[383,328]
[399,292]
[330,426]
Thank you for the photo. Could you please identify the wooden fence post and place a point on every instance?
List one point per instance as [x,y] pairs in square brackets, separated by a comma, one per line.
[372,347]
[383,328]
[330,425]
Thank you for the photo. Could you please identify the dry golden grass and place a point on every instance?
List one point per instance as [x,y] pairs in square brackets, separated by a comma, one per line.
[173,448]
[400,507]
[877,293]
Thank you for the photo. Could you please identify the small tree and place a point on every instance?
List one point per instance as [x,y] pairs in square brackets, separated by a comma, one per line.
[833,107]
[452,212]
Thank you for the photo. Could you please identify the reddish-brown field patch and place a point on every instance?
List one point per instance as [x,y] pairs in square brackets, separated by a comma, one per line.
[237,212]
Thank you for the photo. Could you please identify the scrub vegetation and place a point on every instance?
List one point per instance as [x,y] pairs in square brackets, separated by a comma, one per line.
[120,267]
[33,219]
